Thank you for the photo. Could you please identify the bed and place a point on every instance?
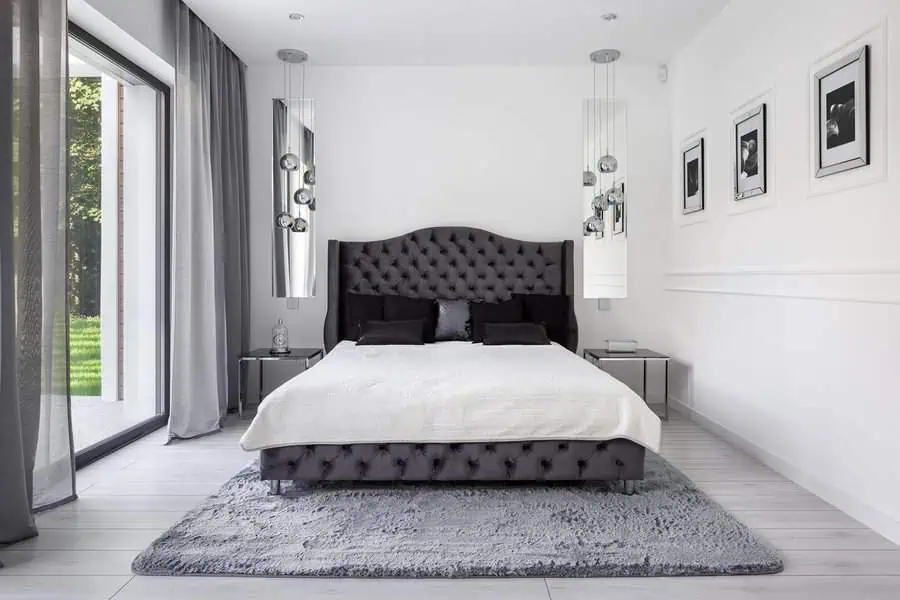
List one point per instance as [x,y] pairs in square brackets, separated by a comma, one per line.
[451,411]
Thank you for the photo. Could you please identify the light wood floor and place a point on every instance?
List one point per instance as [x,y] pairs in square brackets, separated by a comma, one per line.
[85,548]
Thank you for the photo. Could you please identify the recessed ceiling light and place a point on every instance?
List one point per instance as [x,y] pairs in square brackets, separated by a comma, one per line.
[610,17]
[295,17]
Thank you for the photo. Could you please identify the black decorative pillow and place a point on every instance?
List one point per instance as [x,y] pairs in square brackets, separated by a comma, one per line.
[552,311]
[401,308]
[515,334]
[508,311]
[453,321]
[383,333]
[358,309]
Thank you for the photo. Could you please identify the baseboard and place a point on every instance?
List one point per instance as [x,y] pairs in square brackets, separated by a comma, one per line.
[870,516]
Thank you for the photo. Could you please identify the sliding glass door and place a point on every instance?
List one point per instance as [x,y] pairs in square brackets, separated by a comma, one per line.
[118,264]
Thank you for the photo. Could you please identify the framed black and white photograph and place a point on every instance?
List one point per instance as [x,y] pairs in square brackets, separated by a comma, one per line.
[693,193]
[619,210]
[750,154]
[842,116]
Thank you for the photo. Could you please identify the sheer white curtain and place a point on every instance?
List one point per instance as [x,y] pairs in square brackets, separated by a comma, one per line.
[210,297]
[36,466]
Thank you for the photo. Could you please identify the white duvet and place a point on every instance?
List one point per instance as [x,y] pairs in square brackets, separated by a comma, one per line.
[450,392]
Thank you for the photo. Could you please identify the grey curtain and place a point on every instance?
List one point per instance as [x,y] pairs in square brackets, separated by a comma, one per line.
[210,287]
[36,457]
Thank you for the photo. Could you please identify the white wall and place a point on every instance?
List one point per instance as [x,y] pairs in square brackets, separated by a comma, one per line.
[151,22]
[497,148]
[143,31]
[786,319]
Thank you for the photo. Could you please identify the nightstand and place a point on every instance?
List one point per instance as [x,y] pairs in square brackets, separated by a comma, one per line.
[598,357]
[262,355]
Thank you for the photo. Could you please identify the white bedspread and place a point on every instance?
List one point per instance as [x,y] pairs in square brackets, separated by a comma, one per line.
[450,392]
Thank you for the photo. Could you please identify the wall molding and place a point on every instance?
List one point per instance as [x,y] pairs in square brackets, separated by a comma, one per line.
[847,299]
[788,272]
[850,284]
[863,512]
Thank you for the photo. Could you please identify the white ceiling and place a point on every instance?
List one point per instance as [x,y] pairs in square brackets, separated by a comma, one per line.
[455,32]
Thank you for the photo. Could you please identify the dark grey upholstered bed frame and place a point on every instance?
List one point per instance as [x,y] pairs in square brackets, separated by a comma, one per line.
[453,263]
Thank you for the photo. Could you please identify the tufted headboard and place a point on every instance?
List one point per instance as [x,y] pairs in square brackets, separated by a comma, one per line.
[449,263]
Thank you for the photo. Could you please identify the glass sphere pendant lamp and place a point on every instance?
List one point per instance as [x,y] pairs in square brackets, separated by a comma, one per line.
[284,220]
[593,225]
[303,197]
[600,203]
[615,197]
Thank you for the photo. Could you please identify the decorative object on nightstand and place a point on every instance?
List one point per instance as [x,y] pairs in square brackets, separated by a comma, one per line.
[280,339]
[598,357]
[262,355]
[621,345]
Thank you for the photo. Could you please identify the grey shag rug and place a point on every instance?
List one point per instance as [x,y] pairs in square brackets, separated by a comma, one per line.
[668,527]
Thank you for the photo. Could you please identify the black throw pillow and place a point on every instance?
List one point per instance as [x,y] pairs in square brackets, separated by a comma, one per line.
[401,308]
[383,333]
[552,311]
[515,334]
[508,311]
[359,308]
[453,321]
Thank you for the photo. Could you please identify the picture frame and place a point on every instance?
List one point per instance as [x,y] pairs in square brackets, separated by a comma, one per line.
[750,144]
[619,210]
[693,176]
[842,114]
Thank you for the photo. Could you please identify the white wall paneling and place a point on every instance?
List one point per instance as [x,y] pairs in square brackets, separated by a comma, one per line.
[785,322]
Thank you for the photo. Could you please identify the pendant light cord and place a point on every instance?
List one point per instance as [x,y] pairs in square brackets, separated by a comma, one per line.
[595,132]
[606,106]
[614,108]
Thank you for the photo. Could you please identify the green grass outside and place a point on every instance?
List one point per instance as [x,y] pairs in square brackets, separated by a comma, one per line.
[84,355]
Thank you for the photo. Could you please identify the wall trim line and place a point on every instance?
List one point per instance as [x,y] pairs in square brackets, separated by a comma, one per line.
[790,272]
[721,292]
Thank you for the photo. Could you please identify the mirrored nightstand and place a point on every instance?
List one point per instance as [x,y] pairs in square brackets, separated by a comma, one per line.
[598,357]
[261,355]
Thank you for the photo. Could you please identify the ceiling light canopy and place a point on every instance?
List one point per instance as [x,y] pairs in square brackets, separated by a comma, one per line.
[292,56]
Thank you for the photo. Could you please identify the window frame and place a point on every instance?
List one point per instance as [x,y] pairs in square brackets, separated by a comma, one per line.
[104,447]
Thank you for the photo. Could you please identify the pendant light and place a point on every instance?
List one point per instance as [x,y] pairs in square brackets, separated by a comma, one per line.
[604,112]
[289,160]
[284,220]
[289,57]
[608,57]
[594,225]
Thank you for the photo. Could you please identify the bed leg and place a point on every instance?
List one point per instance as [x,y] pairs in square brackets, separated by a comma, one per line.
[628,487]
[275,487]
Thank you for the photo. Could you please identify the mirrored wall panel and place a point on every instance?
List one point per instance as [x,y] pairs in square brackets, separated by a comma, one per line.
[294,199]
[605,202]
